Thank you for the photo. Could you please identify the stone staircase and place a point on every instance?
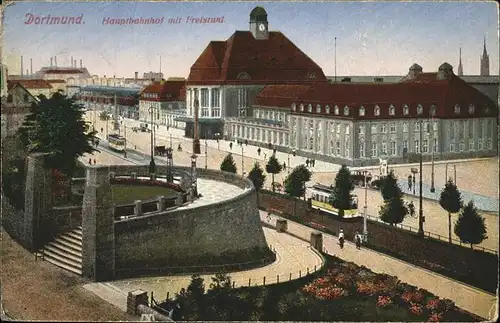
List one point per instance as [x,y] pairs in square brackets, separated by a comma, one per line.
[66,251]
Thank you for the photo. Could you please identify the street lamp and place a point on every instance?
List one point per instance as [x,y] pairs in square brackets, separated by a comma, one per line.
[421,218]
[193,174]
[288,155]
[365,208]
[152,165]
[196,139]
[433,111]
[170,164]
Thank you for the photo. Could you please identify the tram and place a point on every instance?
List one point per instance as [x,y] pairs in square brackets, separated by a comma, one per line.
[320,195]
[116,142]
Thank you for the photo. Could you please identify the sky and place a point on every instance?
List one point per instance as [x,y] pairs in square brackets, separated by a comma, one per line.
[373,38]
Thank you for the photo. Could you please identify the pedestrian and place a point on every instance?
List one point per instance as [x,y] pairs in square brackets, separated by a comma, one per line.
[90,161]
[231,145]
[284,165]
[94,161]
[357,238]
[307,162]
[341,239]
[314,162]
[265,156]
[258,151]
[409,182]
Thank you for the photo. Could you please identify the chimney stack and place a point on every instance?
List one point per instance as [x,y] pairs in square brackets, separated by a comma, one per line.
[81,65]
[136,75]
[27,71]
[22,67]
[55,61]
[51,59]
[31,66]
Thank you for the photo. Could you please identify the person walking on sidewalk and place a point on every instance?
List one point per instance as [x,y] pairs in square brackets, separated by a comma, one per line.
[341,239]
[357,238]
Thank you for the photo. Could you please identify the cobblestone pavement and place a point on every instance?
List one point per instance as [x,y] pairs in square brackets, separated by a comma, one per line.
[293,255]
[464,296]
[436,217]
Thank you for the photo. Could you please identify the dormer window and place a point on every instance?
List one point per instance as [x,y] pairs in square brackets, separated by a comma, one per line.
[361,111]
[318,108]
[309,108]
[311,75]
[420,109]
[392,110]
[457,109]
[243,76]
[327,109]
[376,110]
[336,110]
[471,108]
[346,110]
[486,109]
[301,107]
[294,107]
[433,110]
[406,110]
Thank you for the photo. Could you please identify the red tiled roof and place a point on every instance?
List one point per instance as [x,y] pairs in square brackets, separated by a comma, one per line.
[30,84]
[281,96]
[167,91]
[65,71]
[426,91]
[275,60]
[56,81]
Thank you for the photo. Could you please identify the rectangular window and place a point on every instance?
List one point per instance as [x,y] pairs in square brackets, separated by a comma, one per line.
[480,144]
[338,148]
[405,126]
[215,98]
[435,145]
[216,112]
[242,98]
[417,126]
[338,128]
[393,128]
[435,125]
[374,149]
[461,146]
[393,148]
[204,112]
[361,149]
[416,147]
[374,128]
[204,98]
[384,148]
[347,129]
[425,146]
[384,128]
[452,147]
[405,145]
[471,144]
[490,144]
[361,129]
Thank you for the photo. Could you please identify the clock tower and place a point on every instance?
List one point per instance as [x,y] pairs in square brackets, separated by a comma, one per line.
[259,23]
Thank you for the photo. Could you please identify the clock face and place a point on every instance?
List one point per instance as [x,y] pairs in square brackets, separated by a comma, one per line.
[262,27]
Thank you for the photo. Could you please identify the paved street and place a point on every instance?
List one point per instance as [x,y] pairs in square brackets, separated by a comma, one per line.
[466,297]
[436,217]
[293,255]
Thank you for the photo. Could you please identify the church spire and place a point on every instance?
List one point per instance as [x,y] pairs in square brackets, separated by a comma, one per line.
[460,67]
[485,61]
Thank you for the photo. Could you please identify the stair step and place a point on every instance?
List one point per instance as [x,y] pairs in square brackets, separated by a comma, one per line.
[74,235]
[68,237]
[78,231]
[68,253]
[62,259]
[69,244]
[63,265]
[64,249]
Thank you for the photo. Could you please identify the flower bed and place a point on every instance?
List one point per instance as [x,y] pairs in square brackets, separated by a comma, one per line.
[145,182]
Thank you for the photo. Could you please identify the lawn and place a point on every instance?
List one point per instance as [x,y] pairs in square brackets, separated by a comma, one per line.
[127,194]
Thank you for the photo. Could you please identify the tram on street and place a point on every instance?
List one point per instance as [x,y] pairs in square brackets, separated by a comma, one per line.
[116,142]
[320,195]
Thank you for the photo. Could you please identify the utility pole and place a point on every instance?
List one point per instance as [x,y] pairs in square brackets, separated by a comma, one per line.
[420,211]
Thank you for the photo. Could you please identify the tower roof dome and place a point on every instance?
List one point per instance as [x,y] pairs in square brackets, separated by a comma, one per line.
[258,14]
[416,67]
[445,67]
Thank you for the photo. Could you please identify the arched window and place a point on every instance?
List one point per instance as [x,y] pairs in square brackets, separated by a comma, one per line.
[433,110]
[336,110]
[471,108]
[327,109]
[376,110]
[309,108]
[346,110]
[294,107]
[361,111]
[301,107]
[318,108]
[457,109]
[392,110]
[420,109]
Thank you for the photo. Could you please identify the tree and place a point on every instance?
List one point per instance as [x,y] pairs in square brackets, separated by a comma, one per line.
[273,167]
[393,211]
[390,188]
[228,164]
[56,126]
[104,116]
[450,201]
[257,176]
[470,227]
[295,182]
[341,197]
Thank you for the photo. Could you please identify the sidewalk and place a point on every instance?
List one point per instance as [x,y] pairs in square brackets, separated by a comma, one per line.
[467,297]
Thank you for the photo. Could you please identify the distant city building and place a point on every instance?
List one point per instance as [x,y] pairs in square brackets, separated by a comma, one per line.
[167,100]
[15,107]
[153,76]
[34,86]
[485,61]
[120,101]
[227,76]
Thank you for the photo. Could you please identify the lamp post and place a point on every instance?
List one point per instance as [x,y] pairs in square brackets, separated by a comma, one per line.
[170,164]
[288,155]
[420,202]
[152,165]
[206,154]
[196,139]
[433,189]
[125,136]
[194,183]
[170,141]
[365,208]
